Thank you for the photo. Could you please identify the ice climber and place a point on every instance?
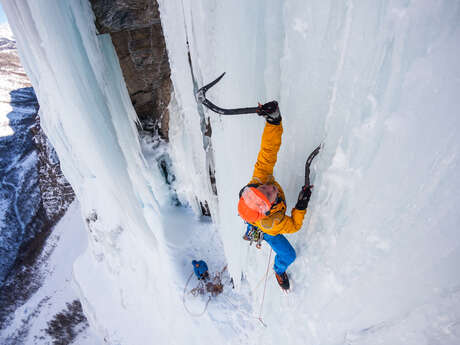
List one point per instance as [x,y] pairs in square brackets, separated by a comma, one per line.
[201,269]
[262,203]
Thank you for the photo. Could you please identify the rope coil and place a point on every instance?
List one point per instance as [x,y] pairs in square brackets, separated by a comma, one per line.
[215,288]
[185,305]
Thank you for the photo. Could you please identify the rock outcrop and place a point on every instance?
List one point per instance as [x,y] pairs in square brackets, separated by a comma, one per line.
[56,192]
[137,35]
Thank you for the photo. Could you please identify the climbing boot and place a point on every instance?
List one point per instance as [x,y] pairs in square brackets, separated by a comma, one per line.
[283,280]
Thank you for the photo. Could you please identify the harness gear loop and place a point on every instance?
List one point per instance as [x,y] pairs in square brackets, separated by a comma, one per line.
[253,234]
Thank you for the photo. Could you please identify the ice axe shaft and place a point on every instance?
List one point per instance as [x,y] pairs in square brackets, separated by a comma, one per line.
[201,98]
[308,163]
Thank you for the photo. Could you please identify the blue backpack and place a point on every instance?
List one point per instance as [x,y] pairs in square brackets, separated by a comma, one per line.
[200,268]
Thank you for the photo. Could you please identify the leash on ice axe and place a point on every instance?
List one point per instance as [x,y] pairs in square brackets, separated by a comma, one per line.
[201,98]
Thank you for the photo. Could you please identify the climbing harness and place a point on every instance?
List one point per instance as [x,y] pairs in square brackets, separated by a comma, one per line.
[254,235]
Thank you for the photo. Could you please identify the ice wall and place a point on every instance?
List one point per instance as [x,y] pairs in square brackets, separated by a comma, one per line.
[88,116]
[215,41]
[377,83]
[192,157]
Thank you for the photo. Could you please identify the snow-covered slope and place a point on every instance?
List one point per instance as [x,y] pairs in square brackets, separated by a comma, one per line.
[53,314]
[377,83]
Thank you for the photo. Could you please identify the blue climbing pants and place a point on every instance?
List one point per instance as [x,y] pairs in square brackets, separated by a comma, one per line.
[285,253]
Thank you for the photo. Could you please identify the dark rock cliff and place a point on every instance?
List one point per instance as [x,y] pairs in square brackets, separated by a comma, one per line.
[34,194]
[137,35]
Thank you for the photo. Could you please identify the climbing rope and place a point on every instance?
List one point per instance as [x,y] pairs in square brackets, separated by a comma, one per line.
[227,299]
[265,286]
[260,280]
[200,288]
[185,305]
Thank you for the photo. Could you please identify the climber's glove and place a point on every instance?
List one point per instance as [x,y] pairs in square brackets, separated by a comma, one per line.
[271,112]
[304,198]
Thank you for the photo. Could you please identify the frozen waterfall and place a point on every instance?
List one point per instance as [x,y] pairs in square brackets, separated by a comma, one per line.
[376,82]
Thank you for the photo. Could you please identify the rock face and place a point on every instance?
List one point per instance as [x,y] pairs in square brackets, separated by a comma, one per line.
[19,192]
[34,193]
[56,192]
[137,35]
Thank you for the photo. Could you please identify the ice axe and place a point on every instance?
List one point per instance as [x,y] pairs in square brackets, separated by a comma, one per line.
[308,163]
[201,98]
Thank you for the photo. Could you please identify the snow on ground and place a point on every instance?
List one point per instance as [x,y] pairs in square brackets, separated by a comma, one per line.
[31,321]
[229,316]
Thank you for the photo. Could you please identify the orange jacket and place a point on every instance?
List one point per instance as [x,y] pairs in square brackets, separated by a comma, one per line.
[276,222]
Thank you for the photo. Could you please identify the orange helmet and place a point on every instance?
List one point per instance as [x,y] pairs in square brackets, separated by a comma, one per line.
[253,204]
